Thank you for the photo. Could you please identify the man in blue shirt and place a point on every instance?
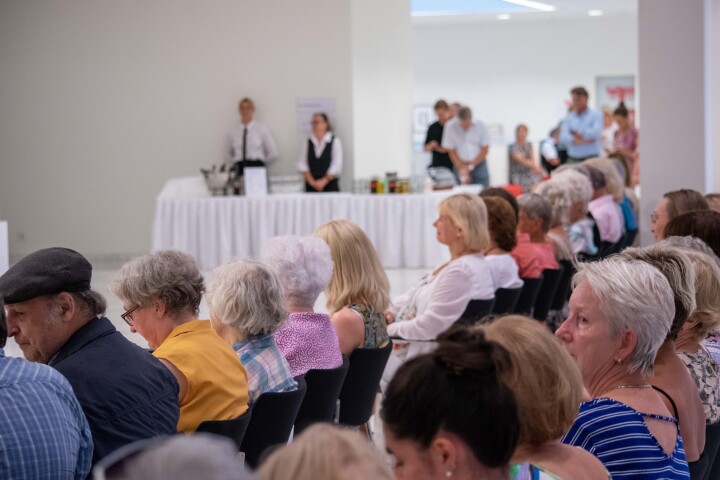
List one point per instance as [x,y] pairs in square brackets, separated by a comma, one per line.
[581,128]
[43,430]
[56,319]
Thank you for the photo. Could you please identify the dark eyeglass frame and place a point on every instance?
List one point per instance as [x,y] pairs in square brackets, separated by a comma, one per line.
[127,316]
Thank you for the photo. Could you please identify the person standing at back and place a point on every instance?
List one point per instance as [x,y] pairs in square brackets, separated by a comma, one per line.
[320,161]
[250,143]
[467,143]
[581,128]
[433,139]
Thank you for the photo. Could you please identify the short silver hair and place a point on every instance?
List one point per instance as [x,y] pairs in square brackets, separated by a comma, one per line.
[690,243]
[678,269]
[303,264]
[168,275]
[557,194]
[632,295]
[247,296]
[535,206]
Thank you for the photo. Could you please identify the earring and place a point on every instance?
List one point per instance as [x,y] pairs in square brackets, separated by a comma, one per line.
[619,361]
[449,473]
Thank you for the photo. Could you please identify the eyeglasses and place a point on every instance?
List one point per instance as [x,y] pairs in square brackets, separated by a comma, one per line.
[127,316]
[653,217]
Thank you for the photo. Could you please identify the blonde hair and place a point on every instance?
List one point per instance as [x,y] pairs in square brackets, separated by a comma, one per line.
[614,184]
[545,379]
[707,292]
[325,452]
[358,276]
[469,214]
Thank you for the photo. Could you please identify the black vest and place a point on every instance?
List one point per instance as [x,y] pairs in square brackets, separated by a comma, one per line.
[319,166]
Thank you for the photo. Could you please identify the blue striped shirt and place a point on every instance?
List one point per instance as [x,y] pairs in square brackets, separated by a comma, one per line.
[267,369]
[43,430]
[618,436]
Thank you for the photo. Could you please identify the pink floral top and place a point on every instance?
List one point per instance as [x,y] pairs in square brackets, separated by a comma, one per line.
[627,141]
[309,342]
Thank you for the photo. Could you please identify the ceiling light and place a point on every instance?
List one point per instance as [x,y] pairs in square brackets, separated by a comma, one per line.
[595,13]
[532,4]
[503,16]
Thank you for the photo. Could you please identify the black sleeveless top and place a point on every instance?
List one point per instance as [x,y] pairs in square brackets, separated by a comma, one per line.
[319,166]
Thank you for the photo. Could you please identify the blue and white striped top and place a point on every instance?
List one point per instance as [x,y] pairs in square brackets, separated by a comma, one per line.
[617,435]
[43,430]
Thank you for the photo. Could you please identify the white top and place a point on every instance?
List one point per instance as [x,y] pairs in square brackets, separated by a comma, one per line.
[433,306]
[260,144]
[607,137]
[335,159]
[504,270]
[466,143]
[548,149]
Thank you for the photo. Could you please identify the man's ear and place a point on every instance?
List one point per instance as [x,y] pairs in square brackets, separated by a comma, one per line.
[68,306]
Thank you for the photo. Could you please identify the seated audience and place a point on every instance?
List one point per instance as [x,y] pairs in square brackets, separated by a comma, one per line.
[359,290]
[501,226]
[161,294]
[532,253]
[702,224]
[504,194]
[673,204]
[670,376]
[58,320]
[326,452]
[304,267]
[43,429]
[620,313]
[604,209]
[580,228]
[442,296]
[705,318]
[713,201]
[469,426]
[548,396]
[557,194]
[246,308]
[524,170]
[615,186]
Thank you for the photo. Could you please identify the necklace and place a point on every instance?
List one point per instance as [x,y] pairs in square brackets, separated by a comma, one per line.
[620,387]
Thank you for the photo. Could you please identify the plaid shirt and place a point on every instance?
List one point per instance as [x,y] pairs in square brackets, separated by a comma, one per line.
[266,367]
[43,431]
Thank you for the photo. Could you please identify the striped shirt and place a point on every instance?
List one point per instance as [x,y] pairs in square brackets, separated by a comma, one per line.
[267,369]
[43,430]
[618,436]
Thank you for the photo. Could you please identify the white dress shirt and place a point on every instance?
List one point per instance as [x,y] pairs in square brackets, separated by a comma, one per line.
[260,144]
[466,143]
[548,149]
[504,271]
[336,153]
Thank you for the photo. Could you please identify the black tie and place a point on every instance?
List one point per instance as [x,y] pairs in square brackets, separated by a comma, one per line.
[244,157]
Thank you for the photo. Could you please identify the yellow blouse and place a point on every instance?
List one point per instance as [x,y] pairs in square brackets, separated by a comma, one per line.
[217,382]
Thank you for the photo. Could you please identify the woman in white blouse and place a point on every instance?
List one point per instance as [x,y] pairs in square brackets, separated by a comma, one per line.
[321,158]
[442,296]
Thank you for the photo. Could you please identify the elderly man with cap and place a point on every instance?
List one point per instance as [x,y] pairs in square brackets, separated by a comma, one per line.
[43,430]
[56,319]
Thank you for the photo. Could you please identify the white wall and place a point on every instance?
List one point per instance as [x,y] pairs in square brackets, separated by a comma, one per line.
[512,72]
[102,101]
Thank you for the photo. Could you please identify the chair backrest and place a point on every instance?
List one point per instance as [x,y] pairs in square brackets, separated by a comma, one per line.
[323,390]
[712,450]
[563,286]
[272,421]
[505,300]
[528,294]
[360,387]
[475,310]
[234,429]
[546,293]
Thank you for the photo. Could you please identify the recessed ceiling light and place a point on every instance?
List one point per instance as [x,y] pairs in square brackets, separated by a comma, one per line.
[533,4]
[595,13]
[503,16]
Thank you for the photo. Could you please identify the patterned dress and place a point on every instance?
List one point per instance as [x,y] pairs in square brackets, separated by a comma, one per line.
[704,371]
[309,342]
[520,174]
[376,335]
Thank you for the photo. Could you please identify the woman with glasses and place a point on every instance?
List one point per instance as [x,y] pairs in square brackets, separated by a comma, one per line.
[161,294]
[321,158]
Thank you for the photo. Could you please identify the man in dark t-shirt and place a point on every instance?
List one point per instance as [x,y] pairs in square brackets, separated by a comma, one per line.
[433,140]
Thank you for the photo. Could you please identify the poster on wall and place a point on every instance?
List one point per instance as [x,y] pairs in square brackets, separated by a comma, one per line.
[305,107]
[613,90]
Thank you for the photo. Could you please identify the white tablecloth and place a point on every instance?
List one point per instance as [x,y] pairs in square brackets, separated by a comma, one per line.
[217,229]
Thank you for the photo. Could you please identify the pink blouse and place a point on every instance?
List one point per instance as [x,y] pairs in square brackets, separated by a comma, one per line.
[309,342]
[627,141]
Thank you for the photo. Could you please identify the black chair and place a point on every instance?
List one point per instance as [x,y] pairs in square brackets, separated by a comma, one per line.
[323,390]
[272,421]
[360,387]
[712,450]
[475,310]
[563,286]
[233,429]
[505,300]
[629,238]
[528,294]
[699,468]
[546,293]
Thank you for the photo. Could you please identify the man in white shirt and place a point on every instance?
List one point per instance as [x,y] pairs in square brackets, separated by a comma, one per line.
[549,156]
[250,143]
[467,143]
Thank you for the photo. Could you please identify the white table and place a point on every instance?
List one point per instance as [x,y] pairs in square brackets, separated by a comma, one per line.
[217,229]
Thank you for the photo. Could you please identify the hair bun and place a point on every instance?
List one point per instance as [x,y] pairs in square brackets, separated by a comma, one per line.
[465,352]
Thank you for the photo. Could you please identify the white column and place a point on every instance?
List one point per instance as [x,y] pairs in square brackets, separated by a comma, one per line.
[675,83]
[4,248]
